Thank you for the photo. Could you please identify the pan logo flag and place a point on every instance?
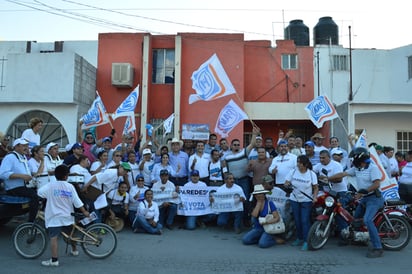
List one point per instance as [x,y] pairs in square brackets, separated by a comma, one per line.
[129,126]
[127,107]
[210,81]
[96,116]
[229,117]
[362,141]
[167,124]
[321,110]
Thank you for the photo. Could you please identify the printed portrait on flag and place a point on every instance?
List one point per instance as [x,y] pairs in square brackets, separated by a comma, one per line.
[210,81]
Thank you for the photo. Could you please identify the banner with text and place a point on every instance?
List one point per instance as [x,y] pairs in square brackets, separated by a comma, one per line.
[194,201]
[226,202]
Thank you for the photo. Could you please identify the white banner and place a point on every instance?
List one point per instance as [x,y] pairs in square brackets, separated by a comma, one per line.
[194,201]
[161,196]
[226,202]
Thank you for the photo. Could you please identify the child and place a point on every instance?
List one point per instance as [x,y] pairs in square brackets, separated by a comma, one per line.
[61,196]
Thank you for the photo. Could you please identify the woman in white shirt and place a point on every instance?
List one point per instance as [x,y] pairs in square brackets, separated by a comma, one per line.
[100,164]
[304,194]
[37,167]
[147,218]
[136,195]
[164,164]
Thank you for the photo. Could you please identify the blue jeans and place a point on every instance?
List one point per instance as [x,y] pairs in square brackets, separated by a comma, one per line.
[367,207]
[223,218]
[167,214]
[141,222]
[258,236]
[191,220]
[301,214]
[344,200]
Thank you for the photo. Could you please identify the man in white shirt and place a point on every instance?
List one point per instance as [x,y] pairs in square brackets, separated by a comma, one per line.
[283,163]
[167,209]
[200,161]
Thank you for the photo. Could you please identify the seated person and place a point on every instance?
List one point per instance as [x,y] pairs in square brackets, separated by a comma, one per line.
[118,202]
[147,217]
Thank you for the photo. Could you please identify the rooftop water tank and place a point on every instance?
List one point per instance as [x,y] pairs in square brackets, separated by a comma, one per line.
[298,32]
[326,32]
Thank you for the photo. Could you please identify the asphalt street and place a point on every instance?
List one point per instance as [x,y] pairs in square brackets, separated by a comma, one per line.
[209,250]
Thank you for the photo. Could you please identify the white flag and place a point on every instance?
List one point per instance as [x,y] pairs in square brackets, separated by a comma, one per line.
[362,141]
[229,117]
[129,125]
[321,110]
[210,81]
[167,124]
[127,107]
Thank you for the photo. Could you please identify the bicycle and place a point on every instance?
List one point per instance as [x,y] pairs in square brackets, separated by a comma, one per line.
[98,240]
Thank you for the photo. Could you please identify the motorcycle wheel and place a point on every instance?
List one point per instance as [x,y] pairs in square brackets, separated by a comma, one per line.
[399,237]
[29,241]
[315,239]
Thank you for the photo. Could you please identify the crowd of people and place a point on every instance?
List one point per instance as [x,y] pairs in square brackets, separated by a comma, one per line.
[132,174]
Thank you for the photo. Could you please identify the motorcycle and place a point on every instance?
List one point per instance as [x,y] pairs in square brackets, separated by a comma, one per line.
[393,228]
[11,206]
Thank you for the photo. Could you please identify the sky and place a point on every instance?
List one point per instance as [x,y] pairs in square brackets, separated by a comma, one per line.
[373,24]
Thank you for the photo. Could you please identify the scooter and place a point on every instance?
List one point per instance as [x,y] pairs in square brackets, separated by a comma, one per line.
[393,228]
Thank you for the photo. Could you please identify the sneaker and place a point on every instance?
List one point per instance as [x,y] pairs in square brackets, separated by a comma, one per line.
[74,253]
[374,253]
[297,242]
[305,247]
[50,263]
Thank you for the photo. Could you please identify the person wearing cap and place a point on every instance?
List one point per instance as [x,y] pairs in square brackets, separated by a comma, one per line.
[200,220]
[52,158]
[72,159]
[200,161]
[334,143]
[262,207]
[163,165]
[283,163]
[317,139]
[136,195]
[168,210]
[310,153]
[211,144]
[305,192]
[179,161]
[106,144]
[337,155]
[32,134]
[146,167]
[109,179]
[15,172]
[230,188]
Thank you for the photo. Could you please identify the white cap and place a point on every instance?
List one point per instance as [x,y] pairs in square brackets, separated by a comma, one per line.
[147,151]
[50,145]
[149,143]
[68,147]
[336,151]
[20,141]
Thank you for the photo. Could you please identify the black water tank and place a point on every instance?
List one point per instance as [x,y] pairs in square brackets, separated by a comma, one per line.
[298,32]
[326,32]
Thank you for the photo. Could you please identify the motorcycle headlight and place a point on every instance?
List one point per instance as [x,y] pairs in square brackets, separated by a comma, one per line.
[329,201]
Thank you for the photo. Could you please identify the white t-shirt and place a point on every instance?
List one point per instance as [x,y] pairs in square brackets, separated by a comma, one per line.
[133,173]
[61,196]
[202,163]
[284,163]
[234,189]
[332,168]
[78,169]
[147,172]
[51,163]
[406,177]
[33,138]
[109,179]
[301,182]
[135,199]
[118,199]
[215,171]
[34,166]
[151,212]
[96,164]
[366,176]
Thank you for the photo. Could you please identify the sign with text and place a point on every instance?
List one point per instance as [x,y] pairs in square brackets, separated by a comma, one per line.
[226,202]
[194,201]
[195,132]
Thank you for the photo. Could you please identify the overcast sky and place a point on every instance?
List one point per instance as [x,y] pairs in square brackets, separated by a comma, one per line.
[381,25]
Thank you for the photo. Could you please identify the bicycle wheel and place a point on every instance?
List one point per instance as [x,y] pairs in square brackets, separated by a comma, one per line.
[100,241]
[29,240]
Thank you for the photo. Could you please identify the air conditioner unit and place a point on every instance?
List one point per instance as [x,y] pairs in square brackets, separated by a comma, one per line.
[122,74]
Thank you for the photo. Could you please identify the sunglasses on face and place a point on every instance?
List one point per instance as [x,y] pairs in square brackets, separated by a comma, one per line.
[117,155]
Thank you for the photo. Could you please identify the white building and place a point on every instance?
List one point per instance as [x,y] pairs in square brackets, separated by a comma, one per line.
[381,99]
[53,81]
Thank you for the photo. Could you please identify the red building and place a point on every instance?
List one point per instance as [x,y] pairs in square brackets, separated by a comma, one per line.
[273,85]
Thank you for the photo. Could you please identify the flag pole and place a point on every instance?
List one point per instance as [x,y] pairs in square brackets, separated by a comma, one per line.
[248,116]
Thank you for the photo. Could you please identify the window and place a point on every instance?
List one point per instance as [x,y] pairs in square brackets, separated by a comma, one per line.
[404,140]
[410,67]
[340,63]
[163,66]
[289,61]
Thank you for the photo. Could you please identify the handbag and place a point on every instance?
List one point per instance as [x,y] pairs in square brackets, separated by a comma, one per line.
[274,228]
